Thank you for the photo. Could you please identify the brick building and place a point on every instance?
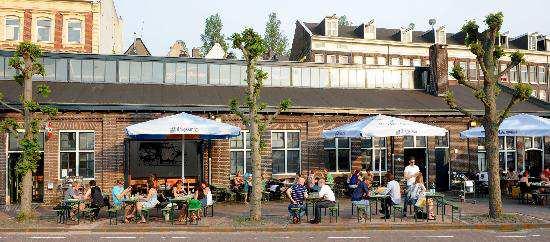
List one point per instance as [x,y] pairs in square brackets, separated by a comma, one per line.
[78,26]
[99,95]
[327,42]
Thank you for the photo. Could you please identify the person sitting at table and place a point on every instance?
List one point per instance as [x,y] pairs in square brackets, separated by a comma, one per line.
[418,196]
[178,191]
[119,194]
[202,193]
[545,175]
[354,179]
[297,194]
[327,199]
[73,192]
[148,202]
[310,179]
[237,183]
[360,194]
[394,191]
[94,195]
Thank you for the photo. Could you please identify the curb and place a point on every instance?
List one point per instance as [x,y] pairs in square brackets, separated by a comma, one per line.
[299,228]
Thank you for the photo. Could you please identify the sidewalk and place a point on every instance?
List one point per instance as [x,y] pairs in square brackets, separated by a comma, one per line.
[232,217]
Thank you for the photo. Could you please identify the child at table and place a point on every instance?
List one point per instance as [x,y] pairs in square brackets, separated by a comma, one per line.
[418,196]
[178,192]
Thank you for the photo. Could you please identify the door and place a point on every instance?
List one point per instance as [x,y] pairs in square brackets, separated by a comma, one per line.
[419,155]
[442,169]
[533,162]
[14,180]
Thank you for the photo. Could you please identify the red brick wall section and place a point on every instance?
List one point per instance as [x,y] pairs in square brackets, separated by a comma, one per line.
[27,25]
[88,31]
[58,32]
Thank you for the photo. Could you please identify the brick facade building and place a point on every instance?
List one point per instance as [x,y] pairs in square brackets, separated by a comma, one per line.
[77,26]
[88,137]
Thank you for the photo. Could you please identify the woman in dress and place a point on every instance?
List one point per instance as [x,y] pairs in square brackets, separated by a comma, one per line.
[150,201]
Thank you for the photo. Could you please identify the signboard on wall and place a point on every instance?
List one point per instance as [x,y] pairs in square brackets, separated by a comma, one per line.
[163,158]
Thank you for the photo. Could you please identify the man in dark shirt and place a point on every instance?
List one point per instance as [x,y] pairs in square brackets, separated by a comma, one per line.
[297,194]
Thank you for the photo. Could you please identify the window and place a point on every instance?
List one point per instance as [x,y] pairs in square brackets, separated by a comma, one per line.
[532,42]
[514,74]
[505,76]
[343,59]
[541,74]
[338,154]
[450,66]
[358,59]
[319,58]
[76,154]
[74,30]
[381,60]
[331,26]
[507,153]
[14,154]
[532,74]
[472,72]
[442,141]
[406,62]
[542,95]
[13,28]
[331,59]
[417,62]
[43,30]
[533,143]
[523,74]
[395,61]
[481,162]
[369,60]
[285,152]
[414,142]
[240,153]
[375,153]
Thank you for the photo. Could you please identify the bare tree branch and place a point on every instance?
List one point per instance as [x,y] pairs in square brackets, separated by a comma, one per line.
[468,84]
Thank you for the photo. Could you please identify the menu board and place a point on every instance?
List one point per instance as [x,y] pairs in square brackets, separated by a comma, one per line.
[163,158]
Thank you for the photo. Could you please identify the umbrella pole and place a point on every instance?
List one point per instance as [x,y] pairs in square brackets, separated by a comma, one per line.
[183,158]
[380,167]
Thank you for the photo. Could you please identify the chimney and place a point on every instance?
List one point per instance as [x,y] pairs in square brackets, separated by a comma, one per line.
[196,52]
[438,83]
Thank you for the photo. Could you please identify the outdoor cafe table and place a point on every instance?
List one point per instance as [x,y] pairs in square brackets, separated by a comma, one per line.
[312,199]
[434,196]
[72,203]
[179,201]
[376,197]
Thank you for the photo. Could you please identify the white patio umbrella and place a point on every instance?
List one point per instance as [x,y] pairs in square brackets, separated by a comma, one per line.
[383,126]
[517,125]
[182,125]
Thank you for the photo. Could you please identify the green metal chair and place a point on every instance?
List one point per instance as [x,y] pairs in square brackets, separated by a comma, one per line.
[193,210]
[362,212]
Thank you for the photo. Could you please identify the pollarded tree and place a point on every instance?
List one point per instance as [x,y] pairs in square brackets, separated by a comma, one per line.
[26,62]
[253,47]
[482,45]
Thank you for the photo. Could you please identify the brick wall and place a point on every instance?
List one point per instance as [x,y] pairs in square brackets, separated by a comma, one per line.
[110,153]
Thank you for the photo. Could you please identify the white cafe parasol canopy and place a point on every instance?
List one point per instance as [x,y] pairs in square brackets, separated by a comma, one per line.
[517,125]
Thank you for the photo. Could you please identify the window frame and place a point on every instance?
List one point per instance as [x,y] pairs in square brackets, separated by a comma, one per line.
[375,154]
[541,77]
[319,58]
[505,150]
[80,36]
[244,149]
[6,26]
[286,149]
[77,152]
[415,146]
[50,27]
[336,149]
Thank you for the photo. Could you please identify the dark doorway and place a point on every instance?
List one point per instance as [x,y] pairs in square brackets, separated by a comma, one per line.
[442,169]
[533,162]
[14,180]
[419,155]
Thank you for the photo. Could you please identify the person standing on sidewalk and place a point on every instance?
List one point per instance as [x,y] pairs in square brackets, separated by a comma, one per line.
[327,199]
[410,174]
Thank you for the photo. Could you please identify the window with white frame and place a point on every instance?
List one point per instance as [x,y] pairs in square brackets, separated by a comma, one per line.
[343,59]
[375,152]
[442,141]
[358,59]
[331,59]
[13,28]
[319,58]
[285,152]
[43,30]
[74,31]
[533,143]
[532,42]
[240,153]
[523,74]
[472,70]
[542,95]
[450,66]
[369,60]
[406,62]
[541,74]
[507,153]
[338,154]
[514,77]
[417,62]
[381,60]
[395,61]
[331,26]
[414,142]
[481,161]
[532,74]
[76,154]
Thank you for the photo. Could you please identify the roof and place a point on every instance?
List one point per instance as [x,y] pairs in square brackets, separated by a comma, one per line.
[137,48]
[143,97]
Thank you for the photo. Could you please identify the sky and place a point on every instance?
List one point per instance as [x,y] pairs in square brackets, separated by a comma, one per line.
[161,22]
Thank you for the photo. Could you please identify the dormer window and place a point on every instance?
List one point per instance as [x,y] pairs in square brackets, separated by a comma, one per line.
[532,42]
[406,33]
[440,36]
[369,31]
[503,41]
[331,26]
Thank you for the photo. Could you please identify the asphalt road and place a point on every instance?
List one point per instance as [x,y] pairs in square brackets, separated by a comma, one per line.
[439,235]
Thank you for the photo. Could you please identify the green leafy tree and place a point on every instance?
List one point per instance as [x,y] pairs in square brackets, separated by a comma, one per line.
[344,21]
[275,40]
[26,62]
[250,113]
[213,34]
[482,45]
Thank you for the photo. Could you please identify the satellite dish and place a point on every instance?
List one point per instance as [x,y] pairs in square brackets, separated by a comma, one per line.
[431,21]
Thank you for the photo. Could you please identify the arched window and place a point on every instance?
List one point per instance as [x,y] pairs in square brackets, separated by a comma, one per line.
[13,28]
[43,30]
[74,31]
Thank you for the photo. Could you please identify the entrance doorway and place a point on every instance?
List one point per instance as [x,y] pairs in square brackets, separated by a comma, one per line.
[442,169]
[419,155]
[533,162]
[14,180]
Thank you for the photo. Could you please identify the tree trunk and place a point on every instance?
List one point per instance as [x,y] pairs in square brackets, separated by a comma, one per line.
[256,196]
[491,125]
[26,194]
